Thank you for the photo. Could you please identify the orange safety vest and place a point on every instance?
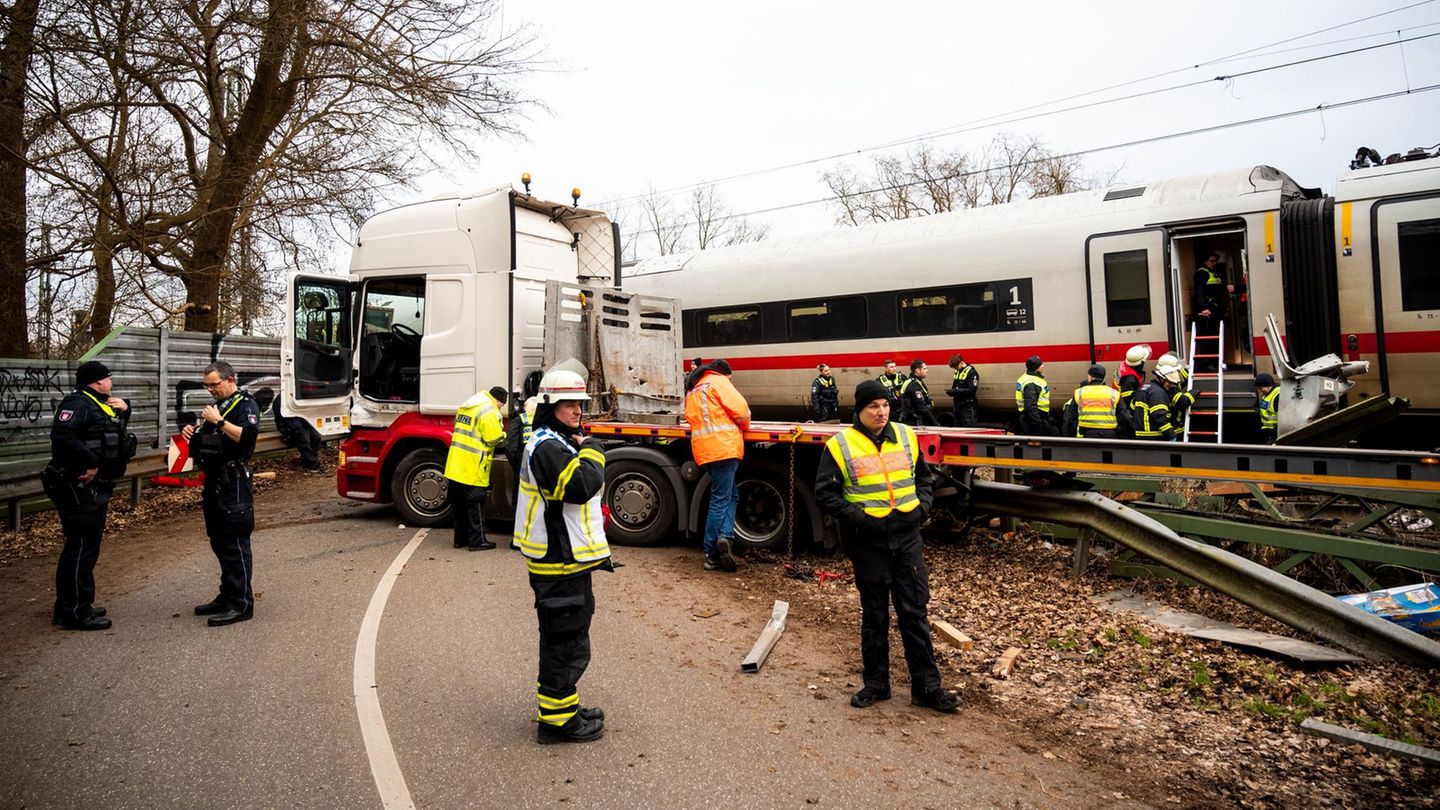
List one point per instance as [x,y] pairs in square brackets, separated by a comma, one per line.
[717,414]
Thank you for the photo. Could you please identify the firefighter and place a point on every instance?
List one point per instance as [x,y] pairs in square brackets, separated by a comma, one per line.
[874,480]
[893,380]
[1130,376]
[560,528]
[964,389]
[916,407]
[824,397]
[1268,394]
[1182,398]
[1095,412]
[1151,405]
[478,431]
[718,416]
[88,451]
[1032,400]
[221,449]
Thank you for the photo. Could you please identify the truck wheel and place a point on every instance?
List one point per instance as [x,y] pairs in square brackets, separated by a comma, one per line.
[762,516]
[419,488]
[641,501]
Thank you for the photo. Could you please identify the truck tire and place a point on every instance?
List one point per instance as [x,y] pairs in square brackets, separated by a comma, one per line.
[419,490]
[762,516]
[641,502]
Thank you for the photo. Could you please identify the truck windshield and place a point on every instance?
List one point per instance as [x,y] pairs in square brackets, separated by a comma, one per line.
[391,329]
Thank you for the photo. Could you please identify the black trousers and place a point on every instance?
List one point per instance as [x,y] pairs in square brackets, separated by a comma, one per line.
[467,504]
[883,576]
[306,440]
[1208,327]
[966,414]
[1099,433]
[564,608]
[229,505]
[825,412]
[82,509]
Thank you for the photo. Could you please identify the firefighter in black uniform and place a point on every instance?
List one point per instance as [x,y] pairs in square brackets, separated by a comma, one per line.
[824,397]
[964,389]
[221,448]
[916,407]
[88,451]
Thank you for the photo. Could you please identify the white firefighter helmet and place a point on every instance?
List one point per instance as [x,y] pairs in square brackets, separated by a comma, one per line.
[1168,367]
[559,385]
[1138,354]
[530,406]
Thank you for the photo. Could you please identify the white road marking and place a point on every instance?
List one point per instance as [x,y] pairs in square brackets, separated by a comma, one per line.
[388,778]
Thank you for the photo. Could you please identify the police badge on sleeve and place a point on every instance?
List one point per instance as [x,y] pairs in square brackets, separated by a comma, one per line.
[65,416]
[254,420]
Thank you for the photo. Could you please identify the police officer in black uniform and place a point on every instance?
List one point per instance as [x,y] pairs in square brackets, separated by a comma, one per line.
[221,448]
[916,407]
[824,396]
[88,451]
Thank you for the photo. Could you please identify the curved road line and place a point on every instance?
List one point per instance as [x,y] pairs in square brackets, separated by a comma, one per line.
[388,778]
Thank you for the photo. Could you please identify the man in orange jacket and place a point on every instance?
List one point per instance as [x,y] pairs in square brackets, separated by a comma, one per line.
[717,414]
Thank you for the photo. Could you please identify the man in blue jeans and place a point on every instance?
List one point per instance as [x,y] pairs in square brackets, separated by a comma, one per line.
[718,416]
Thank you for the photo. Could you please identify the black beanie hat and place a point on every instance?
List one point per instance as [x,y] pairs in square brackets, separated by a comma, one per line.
[868,391]
[1034,362]
[1263,380]
[90,372]
[1097,371]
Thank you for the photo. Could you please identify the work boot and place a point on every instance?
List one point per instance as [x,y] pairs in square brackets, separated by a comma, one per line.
[712,563]
[230,616]
[483,545]
[57,617]
[216,605]
[577,729]
[591,713]
[937,699]
[87,622]
[724,554]
[867,697]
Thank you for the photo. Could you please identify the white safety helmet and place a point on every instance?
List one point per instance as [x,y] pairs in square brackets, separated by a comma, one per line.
[1167,359]
[530,406]
[1137,354]
[1168,368]
[560,385]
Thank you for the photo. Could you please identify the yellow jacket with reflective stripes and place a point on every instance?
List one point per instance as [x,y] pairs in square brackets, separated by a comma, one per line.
[878,479]
[1043,402]
[1269,413]
[1096,405]
[559,525]
[478,431]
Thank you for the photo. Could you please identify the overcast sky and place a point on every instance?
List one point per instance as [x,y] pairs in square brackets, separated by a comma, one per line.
[668,93]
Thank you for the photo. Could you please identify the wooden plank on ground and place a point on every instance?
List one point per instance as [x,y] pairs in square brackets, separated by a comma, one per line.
[1005,663]
[1373,742]
[952,636]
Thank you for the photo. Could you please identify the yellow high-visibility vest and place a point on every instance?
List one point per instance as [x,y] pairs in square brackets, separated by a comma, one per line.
[1096,403]
[1026,379]
[478,431]
[878,479]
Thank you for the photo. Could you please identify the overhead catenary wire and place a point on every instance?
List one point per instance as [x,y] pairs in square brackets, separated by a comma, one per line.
[1077,153]
[1247,53]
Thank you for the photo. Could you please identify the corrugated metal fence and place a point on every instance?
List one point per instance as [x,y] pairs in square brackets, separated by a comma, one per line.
[158,370]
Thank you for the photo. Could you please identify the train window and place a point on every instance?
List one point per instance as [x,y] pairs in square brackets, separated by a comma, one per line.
[1127,288]
[1420,264]
[729,327]
[948,310]
[827,319]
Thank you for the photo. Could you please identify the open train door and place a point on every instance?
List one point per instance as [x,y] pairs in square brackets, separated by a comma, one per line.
[1125,276]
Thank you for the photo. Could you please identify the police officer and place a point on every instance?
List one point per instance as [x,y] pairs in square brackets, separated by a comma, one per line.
[88,451]
[824,397]
[561,531]
[964,389]
[221,448]
[893,380]
[1096,411]
[478,431]
[1151,405]
[1210,304]
[874,480]
[1268,395]
[517,435]
[1032,399]
[916,407]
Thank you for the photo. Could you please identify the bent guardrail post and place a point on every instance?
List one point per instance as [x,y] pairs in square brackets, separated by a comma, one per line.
[1275,595]
[768,637]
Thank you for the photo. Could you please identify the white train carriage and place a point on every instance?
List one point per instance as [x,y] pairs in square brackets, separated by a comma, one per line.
[1078,279]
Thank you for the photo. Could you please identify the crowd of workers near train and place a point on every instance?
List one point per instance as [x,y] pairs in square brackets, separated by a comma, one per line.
[1128,406]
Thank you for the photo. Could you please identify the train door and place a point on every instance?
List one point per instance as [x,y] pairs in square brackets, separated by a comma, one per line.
[1405,245]
[1128,293]
[1189,250]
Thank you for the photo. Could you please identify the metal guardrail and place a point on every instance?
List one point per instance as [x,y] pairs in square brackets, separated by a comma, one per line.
[153,462]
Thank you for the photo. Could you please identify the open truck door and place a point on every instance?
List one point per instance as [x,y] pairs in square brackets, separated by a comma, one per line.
[317,355]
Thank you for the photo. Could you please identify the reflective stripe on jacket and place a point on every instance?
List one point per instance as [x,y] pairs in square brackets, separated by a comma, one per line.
[584,545]
[1096,403]
[1043,402]
[878,479]
[1152,412]
[1269,413]
[717,414]
[478,431]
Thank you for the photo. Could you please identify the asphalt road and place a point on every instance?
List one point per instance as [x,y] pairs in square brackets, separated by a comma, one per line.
[163,711]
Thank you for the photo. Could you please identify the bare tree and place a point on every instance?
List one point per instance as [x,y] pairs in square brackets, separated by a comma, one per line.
[715,225]
[20,18]
[193,126]
[662,221]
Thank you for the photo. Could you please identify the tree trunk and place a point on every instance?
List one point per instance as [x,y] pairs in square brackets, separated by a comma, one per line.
[14,63]
[103,308]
